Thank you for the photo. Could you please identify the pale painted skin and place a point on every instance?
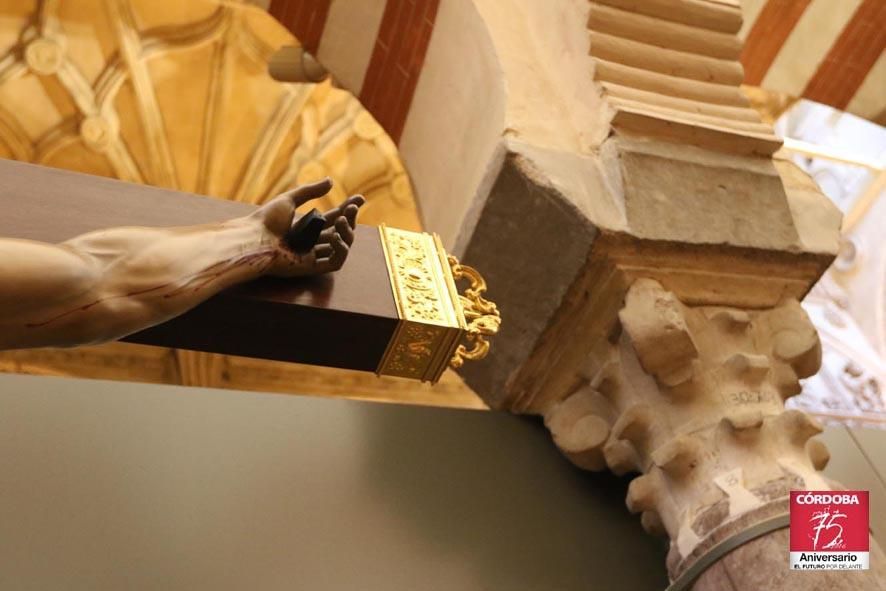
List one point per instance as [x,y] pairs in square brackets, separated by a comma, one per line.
[107,284]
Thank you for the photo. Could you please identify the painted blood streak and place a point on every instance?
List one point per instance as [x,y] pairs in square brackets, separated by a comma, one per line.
[206,277]
[202,279]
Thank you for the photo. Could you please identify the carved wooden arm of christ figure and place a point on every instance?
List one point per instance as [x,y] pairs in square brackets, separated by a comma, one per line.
[105,285]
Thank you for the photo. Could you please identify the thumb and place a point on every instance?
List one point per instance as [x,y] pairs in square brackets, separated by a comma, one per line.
[305,193]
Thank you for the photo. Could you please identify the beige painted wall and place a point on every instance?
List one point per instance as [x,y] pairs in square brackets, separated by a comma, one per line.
[452,135]
[348,39]
[496,72]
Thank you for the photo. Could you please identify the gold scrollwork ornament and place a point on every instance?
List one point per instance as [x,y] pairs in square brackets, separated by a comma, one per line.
[481,316]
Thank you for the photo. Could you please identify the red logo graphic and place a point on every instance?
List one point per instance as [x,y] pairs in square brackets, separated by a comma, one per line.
[829,527]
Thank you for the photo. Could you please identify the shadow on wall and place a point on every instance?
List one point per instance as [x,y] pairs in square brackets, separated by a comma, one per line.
[493,493]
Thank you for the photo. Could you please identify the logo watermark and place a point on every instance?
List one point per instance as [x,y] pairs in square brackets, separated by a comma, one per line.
[829,530]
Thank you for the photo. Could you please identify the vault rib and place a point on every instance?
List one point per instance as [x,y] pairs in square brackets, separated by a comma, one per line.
[161,165]
[276,129]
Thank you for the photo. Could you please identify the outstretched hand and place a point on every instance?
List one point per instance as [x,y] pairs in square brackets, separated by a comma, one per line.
[330,251]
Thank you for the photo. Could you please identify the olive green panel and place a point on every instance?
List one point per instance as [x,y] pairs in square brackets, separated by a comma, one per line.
[125,486]
[850,466]
[872,443]
[858,460]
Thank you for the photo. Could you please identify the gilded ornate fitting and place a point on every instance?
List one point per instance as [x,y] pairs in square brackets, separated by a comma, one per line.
[434,318]
[481,315]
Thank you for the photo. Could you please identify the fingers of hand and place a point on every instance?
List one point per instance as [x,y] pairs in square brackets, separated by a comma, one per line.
[339,251]
[343,225]
[350,214]
[352,203]
[323,251]
[334,261]
[305,193]
[345,229]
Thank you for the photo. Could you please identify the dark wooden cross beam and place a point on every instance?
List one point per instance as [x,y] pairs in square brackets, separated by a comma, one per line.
[353,318]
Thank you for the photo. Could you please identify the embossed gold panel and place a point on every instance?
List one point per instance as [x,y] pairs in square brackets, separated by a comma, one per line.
[431,321]
[434,317]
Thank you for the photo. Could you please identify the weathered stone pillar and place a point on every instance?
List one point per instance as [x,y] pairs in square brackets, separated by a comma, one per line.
[691,397]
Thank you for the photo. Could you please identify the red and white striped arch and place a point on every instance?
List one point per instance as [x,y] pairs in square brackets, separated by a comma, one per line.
[379,47]
[829,51]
